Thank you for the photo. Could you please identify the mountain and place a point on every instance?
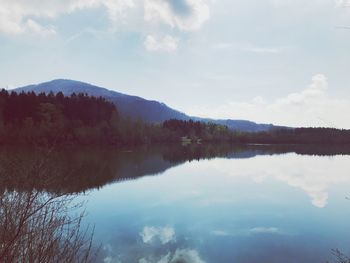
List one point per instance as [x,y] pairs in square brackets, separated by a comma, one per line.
[136,107]
[131,106]
[240,125]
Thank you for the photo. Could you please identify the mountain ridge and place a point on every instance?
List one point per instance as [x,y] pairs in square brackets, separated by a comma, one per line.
[136,107]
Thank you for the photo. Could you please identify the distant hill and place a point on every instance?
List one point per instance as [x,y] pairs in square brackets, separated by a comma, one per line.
[241,125]
[136,107]
[131,106]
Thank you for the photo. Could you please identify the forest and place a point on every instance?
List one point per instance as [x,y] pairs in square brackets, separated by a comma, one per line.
[79,119]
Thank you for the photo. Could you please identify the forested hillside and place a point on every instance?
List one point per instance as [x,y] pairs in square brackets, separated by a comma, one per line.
[134,107]
[30,118]
[27,117]
[81,119]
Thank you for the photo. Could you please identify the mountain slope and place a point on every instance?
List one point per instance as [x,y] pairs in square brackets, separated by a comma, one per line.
[130,106]
[136,107]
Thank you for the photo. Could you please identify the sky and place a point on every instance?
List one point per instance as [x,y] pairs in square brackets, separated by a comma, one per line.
[284,62]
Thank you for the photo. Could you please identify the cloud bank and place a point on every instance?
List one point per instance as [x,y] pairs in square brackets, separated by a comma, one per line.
[312,106]
[22,16]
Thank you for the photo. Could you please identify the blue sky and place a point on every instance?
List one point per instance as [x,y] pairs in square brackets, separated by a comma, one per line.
[271,61]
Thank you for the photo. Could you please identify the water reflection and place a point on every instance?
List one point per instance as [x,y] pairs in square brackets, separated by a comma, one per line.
[39,226]
[80,169]
[312,175]
[215,203]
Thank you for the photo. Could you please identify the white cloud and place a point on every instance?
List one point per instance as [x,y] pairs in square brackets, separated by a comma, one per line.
[16,16]
[312,106]
[313,95]
[12,20]
[150,234]
[22,16]
[167,43]
[185,15]
[33,27]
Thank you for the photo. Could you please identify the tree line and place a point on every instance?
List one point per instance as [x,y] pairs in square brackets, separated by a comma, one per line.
[30,118]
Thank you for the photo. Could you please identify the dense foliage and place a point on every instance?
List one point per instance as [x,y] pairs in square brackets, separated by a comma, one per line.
[218,133]
[82,119]
[195,131]
[297,136]
[29,118]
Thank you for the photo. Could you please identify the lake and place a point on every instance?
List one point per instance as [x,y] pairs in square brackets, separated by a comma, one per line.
[218,203]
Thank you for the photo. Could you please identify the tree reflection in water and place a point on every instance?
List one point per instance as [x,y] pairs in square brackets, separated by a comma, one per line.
[39,218]
[40,226]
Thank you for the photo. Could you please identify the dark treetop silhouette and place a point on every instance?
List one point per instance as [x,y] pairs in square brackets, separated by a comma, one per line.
[28,118]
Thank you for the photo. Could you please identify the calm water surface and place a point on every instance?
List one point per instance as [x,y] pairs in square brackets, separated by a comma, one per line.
[246,206]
